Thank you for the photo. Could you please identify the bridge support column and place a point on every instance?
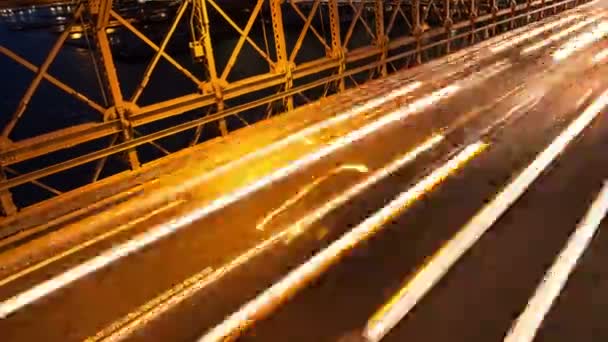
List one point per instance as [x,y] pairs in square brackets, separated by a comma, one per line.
[447,24]
[283,64]
[101,9]
[381,38]
[215,85]
[417,30]
[337,50]
[494,16]
[7,206]
[513,12]
[473,19]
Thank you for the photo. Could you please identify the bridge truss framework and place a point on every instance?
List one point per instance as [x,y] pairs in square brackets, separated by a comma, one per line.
[397,33]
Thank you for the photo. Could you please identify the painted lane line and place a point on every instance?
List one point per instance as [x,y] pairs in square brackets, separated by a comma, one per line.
[426,278]
[300,277]
[317,214]
[528,323]
[159,232]
[90,242]
[560,35]
[581,41]
[532,33]
[273,241]
[584,98]
[152,309]
[600,56]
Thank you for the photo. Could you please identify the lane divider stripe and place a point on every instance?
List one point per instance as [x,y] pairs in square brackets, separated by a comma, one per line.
[300,277]
[525,327]
[426,278]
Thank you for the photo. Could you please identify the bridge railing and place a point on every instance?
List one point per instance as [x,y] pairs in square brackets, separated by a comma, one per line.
[246,64]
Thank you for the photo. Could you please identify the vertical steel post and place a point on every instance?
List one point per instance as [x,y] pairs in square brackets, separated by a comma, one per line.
[337,49]
[494,16]
[205,28]
[473,19]
[447,24]
[7,206]
[283,66]
[381,39]
[101,9]
[513,11]
[417,30]
[541,14]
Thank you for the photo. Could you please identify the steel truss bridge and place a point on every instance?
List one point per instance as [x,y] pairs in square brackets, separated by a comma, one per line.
[325,170]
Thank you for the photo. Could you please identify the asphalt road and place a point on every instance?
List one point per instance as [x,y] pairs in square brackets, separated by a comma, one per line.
[268,250]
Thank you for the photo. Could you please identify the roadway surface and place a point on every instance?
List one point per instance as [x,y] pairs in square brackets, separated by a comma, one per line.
[444,202]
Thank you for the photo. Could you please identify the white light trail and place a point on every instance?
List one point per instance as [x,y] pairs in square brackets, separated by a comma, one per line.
[424,280]
[306,190]
[297,279]
[562,34]
[581,41]
[532,33]
[529,321]
[157,233]
[271,242]
[302,224]
[600,56]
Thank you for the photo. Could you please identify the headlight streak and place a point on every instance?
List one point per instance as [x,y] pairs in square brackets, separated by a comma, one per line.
[428,276]
[281,291]
[581,41]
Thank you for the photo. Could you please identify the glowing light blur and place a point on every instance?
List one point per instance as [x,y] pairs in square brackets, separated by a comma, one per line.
[600,56]
[562,34]
[581,41]
[302,224]
[528,323]
[426,278]
[584,98]
[320,262]
[532,33]
[303,135]
[271,242]
[307,189]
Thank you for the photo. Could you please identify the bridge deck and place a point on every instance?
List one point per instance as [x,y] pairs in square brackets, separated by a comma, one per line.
[190,249]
